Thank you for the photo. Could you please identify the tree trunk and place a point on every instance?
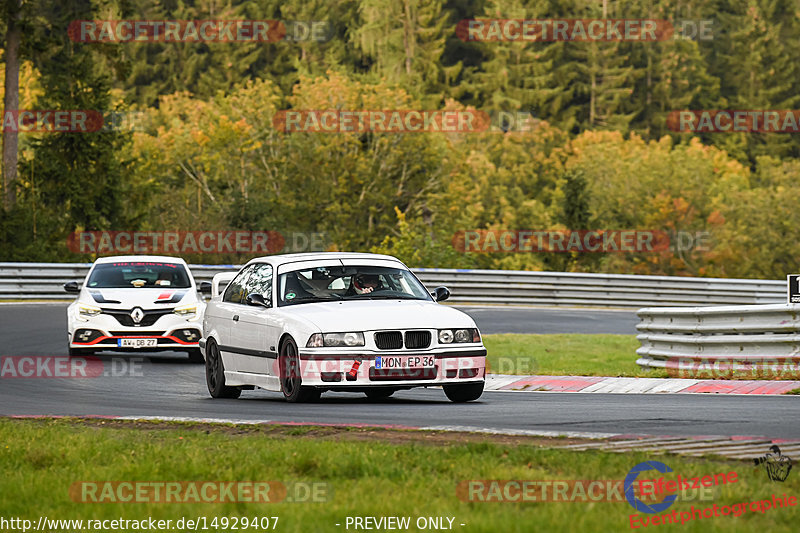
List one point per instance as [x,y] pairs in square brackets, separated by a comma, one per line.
[11,104]
[408,36]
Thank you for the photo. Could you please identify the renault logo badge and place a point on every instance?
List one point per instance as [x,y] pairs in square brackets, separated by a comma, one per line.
[137,315]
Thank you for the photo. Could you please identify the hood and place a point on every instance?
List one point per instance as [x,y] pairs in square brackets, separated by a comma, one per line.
[371,315]
[149,298]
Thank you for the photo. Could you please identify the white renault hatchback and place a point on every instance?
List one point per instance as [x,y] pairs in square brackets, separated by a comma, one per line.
[302,324]
[135,303]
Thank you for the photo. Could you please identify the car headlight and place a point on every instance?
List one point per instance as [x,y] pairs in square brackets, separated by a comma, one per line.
[449,336]
[88,310]
[463,335]
[186,310]
[318,340]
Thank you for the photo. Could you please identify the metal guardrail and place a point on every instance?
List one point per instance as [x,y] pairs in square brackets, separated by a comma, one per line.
[761,334]
[599,290]
[43,281]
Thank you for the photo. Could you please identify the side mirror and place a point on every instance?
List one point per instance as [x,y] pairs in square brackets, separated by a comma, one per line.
[72,286]
[256,299]
[205,287]
[440,294]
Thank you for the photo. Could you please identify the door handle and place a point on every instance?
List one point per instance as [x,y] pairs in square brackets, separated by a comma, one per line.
[236,318]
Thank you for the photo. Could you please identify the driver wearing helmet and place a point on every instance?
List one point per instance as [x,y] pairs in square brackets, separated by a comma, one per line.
[365,283]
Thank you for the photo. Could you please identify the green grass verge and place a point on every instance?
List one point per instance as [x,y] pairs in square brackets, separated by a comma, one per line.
[40,460]
[567,354]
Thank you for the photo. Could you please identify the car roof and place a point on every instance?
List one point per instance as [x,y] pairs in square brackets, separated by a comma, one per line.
[278,260]
[154,258]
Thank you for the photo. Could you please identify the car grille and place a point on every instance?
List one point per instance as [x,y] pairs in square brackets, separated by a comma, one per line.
[123,316]
[136,333]
[393,340]
[389,340]
[416,340]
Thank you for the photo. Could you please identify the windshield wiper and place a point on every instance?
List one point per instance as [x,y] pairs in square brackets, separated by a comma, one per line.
[331,298]
[372,296]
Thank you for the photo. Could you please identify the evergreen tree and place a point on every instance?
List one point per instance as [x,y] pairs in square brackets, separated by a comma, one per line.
[403,42]
[81,182]
[605,74]
[757,58]
[205,68]
[673,73]
[516,73]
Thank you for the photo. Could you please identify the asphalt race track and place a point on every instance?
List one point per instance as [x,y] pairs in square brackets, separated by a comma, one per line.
[548,320]
[167,385]
[41,329]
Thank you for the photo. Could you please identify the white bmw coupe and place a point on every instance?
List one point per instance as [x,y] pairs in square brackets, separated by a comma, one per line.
[302,324]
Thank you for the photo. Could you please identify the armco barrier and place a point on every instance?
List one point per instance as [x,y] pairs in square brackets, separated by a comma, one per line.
[43,281]
[599,290]
[754,333]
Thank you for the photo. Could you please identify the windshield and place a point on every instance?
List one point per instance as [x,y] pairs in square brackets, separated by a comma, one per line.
[324,284]
[134,274]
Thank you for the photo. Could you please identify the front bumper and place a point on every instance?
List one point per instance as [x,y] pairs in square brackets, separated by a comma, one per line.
[180,338]
[105,331]
[337,370]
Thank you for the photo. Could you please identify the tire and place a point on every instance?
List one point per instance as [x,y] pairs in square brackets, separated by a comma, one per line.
[379,393]
[291,381]
[215,374]
[463,393]
[196,356]
[79,352]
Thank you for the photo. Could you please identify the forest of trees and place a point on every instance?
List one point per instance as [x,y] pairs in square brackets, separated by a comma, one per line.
[201,151]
